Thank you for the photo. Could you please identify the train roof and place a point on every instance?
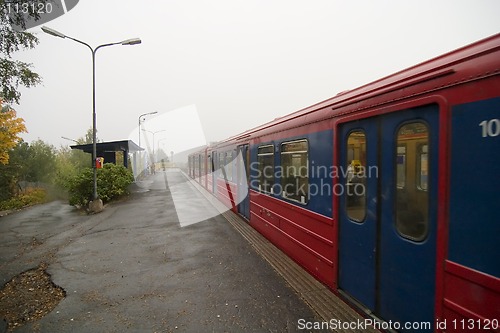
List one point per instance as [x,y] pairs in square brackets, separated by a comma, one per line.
[440,66]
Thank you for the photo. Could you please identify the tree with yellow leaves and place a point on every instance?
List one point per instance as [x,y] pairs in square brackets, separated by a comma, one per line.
[10,128]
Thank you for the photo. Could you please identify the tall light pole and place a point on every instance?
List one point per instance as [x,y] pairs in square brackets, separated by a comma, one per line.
[159,145]
[154,141]
[144,114]
[131,41]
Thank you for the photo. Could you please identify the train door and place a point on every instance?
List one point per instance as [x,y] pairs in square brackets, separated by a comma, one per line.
[215,172]
[243,180]
[388,213]
[210,171]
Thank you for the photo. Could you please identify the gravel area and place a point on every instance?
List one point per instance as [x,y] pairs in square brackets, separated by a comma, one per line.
[28,297]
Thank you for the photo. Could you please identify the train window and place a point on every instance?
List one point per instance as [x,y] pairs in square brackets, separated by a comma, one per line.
[229,165]
[412,200]
[202,165]
[196,166]
[247,166]
[356,176]
[294,167]
[209,164]
[422,171]
[191,166]
[198,159]
[265,160]
[221,164]
[401,167]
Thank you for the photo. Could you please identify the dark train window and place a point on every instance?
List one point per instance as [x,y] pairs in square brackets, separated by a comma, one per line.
[355,186]
[221,164]
[210,165]
[401,167]
[229,165]
[422,164]
[412,200]
[196,166]
[202,165]
[294,171]
[265,160]
[247,166]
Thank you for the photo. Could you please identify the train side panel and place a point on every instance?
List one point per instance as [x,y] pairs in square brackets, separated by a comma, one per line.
[302,224]
[472,268]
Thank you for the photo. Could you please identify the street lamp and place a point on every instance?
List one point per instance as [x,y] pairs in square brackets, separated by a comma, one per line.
[154,141]
[144,114]
[162,139]
[65,138]
[131,41]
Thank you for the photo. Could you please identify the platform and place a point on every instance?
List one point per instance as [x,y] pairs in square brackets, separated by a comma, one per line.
[323,301]
[142,266]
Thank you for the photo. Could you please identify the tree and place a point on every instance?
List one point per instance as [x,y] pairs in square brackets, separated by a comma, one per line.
[72,162]
[15,171]
[88,138]
[41,162]
[113,181]
[34,163]
[13,72]
[10,127]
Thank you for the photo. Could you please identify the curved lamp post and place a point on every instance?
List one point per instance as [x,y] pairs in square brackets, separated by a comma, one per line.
[131,41]
[144,114]
[154,140]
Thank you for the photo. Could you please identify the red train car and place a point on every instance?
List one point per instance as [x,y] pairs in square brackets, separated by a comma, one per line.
[386,193]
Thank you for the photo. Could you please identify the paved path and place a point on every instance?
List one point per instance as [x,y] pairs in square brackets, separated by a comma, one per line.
[140,266]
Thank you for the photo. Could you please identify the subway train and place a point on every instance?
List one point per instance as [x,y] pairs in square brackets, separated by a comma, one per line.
[386,193]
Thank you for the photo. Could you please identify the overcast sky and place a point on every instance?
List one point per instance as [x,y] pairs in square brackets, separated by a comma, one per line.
[238,63]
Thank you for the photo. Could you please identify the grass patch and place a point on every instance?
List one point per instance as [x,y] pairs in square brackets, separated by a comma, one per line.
[27,198]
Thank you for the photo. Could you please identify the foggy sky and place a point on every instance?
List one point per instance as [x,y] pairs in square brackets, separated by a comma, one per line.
[240,63]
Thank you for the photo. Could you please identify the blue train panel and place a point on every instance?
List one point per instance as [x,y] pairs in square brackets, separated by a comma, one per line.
[320,158]
[475,186]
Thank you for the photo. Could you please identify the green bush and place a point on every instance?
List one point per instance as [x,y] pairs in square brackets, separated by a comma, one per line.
[112,182]
[29,197]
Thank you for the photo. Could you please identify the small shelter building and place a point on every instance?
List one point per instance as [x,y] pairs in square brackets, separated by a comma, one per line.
[108,150]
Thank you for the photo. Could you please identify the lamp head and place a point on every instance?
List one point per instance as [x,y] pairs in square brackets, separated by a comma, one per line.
[131,41]
[53,32]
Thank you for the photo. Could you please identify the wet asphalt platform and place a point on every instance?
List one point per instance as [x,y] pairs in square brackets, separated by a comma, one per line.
[144,265]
